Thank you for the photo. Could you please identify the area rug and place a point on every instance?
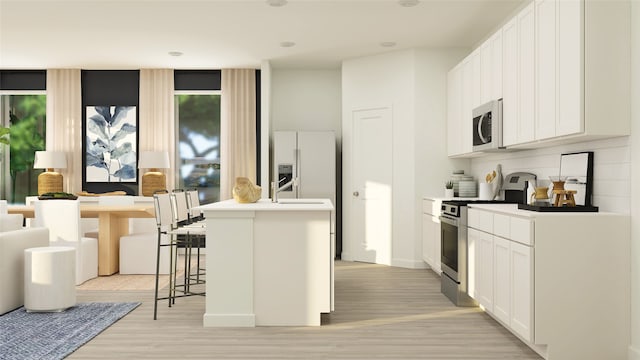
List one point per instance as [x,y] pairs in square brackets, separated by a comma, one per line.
[51,336]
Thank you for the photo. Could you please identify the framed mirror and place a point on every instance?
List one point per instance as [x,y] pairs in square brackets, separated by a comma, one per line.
[578,170]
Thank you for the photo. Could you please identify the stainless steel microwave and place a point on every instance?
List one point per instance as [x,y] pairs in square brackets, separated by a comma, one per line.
[487,126]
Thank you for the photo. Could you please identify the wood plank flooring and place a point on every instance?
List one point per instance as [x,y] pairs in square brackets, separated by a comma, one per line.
[381,313]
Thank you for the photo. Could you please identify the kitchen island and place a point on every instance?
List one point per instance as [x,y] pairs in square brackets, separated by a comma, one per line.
[268,264]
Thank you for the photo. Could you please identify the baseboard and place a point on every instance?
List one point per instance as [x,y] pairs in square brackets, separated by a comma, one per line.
[409,264]
[634,353]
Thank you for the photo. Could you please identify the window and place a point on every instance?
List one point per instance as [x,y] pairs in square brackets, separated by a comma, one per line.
[24,113]
[198,132]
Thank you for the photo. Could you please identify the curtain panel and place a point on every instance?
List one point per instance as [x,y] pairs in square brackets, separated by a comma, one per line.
[237,128]
[64,122]
[156,128]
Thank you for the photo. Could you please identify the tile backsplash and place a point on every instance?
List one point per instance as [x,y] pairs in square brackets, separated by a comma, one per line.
[611,168]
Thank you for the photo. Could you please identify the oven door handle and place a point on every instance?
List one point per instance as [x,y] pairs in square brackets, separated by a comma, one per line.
[448,220]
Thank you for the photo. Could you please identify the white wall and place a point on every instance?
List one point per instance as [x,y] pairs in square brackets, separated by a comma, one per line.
[611,170]
[413,84]
[306,100]
[634,350]
[432,167]
[385,80]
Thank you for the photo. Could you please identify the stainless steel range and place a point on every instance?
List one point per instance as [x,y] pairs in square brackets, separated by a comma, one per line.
[453,237]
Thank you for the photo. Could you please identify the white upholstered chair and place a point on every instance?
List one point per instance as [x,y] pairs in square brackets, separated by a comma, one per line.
[12,247]
[62,218]
[9,222]
[4,207]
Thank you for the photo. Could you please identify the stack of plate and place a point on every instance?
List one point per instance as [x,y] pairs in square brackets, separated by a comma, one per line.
[467,188]
[458,176]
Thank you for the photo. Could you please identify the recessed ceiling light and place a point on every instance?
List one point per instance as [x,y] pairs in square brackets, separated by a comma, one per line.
[287,44]
[175,53]
[277,3]
[408,3]
[388,44]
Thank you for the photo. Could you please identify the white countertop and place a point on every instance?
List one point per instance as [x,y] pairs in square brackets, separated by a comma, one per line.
[267,205]
[512,209]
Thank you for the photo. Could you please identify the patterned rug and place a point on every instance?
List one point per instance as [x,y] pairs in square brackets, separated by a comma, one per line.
[51,336]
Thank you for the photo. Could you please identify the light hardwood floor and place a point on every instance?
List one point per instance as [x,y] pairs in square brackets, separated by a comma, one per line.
[381,313]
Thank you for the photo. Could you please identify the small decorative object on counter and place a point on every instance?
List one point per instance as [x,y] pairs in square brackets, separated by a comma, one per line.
[448,189]
[244,191]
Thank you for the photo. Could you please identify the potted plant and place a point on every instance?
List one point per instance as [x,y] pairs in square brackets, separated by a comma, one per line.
[448,189]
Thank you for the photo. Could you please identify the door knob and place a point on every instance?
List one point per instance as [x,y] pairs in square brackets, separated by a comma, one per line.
[356,194]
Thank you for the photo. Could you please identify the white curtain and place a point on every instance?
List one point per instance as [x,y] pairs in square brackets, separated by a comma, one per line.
[237,128]
[64,123]
[156,127]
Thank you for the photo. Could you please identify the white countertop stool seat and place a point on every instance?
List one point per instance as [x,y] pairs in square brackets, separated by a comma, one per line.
[49,278]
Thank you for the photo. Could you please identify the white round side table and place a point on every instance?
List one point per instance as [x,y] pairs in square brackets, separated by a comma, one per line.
[49,278]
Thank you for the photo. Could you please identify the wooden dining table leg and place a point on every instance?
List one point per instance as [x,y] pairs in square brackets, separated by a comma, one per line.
[111,228]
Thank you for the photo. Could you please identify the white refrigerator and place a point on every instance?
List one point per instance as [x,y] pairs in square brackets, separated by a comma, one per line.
[309,156]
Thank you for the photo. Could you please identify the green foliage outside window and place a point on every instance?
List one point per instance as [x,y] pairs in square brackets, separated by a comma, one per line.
[27,116]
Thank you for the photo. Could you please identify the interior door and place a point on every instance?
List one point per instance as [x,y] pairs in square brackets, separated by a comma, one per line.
[371,185]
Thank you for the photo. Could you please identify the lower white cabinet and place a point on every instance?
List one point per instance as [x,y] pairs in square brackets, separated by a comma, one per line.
[431,235]
[521,292]
[535,274]
[502,268]
[502,279]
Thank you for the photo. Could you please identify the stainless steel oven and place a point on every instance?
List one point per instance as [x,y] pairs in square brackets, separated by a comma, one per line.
[453,237]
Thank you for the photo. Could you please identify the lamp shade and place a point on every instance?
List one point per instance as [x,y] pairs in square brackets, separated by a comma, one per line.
[153,160]
[50,160]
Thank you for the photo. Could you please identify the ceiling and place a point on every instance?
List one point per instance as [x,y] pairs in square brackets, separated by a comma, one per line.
[133,34]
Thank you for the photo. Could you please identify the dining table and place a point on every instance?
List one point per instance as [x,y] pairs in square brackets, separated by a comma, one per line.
[113,222]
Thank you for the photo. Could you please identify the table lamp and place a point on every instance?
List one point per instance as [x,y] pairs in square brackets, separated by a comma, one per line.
[49,180]
[153,180]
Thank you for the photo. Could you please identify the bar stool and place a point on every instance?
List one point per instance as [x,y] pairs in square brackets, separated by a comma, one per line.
[49,278]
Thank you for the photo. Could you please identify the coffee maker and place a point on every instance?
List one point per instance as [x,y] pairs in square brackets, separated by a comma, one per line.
[515,187]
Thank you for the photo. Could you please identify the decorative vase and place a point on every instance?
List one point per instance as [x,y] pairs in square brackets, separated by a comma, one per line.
[245,191]
[448,193]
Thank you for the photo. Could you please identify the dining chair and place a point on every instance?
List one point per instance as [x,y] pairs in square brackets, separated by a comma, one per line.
[4,207]
[138,249]
[10,222]
[62,218]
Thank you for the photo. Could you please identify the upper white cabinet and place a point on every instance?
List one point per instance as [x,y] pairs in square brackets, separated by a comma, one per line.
[518,78]
[564,71]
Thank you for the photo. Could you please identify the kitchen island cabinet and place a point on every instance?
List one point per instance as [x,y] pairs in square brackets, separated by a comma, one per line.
[268,264]
[548,285]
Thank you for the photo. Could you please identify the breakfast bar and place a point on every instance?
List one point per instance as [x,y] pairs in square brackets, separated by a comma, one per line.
[268,263]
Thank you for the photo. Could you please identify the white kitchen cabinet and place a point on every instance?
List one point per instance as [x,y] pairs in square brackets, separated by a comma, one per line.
[455,138]
[558,59]
[491,68]
[503,268]
[565,73]
[518,78]
[521,289]
[484,270]
[546,290]
[502,279]
[510,83]
[431,234]
[476,76]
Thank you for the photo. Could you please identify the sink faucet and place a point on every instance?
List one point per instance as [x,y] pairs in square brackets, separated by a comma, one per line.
[275,189]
